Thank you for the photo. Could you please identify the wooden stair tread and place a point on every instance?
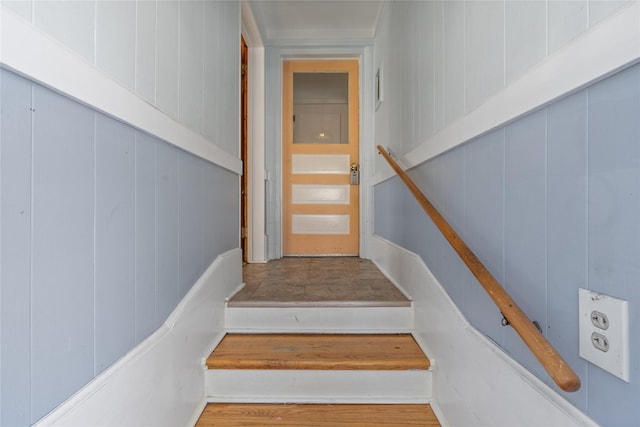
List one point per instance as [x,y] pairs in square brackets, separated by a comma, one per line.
[240,414]
[315,351]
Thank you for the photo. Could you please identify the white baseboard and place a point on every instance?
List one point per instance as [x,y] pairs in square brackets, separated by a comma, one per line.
[474,381]
[235,291]
[197,412]
[161,381]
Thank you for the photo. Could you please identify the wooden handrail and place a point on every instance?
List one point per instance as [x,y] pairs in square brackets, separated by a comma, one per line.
[549,358]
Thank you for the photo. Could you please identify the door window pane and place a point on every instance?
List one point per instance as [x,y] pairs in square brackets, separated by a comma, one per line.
[320,108]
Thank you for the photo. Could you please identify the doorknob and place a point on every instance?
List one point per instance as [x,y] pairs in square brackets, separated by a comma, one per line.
[355,174]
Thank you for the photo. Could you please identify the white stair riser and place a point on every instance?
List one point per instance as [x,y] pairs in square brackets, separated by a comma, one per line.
[319,319]
[318,386]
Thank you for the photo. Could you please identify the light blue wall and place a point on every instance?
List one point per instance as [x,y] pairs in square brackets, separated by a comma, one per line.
[104,230]
[550,203]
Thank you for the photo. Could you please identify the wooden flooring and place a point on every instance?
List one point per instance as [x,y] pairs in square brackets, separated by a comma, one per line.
[240,414]
[308,351]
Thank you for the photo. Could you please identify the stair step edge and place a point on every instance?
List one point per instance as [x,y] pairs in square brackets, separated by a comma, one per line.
[318,351]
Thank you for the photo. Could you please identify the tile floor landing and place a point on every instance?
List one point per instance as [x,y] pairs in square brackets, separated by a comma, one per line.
[317,282]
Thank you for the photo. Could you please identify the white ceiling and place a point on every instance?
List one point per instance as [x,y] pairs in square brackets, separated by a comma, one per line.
[291,20]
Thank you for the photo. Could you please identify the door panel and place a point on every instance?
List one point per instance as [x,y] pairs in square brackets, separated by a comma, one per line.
[319,163]
[320,224]
[320,194]
[320,205]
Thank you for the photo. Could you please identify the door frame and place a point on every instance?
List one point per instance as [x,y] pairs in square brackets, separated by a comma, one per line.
[265,136]
[244,139]
[273,85]
[256,234]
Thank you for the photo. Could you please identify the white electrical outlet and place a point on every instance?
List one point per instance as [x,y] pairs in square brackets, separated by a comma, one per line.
[604,332]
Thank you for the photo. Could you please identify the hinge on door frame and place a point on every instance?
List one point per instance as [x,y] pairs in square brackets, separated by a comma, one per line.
[243,232]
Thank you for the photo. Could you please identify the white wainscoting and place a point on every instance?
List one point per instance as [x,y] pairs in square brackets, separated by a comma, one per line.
[30,52]
[594,55]
[161,381]
[474,381]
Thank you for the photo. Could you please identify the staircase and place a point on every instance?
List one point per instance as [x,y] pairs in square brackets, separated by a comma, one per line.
[355,375]
[271,368]
[318,365]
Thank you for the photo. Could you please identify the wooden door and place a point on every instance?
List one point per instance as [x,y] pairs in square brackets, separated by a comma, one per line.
[320,131]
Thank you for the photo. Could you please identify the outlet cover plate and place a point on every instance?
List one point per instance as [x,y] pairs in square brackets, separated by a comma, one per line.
[616,359]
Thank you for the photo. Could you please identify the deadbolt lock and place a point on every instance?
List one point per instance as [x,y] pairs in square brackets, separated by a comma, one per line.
[355,174]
